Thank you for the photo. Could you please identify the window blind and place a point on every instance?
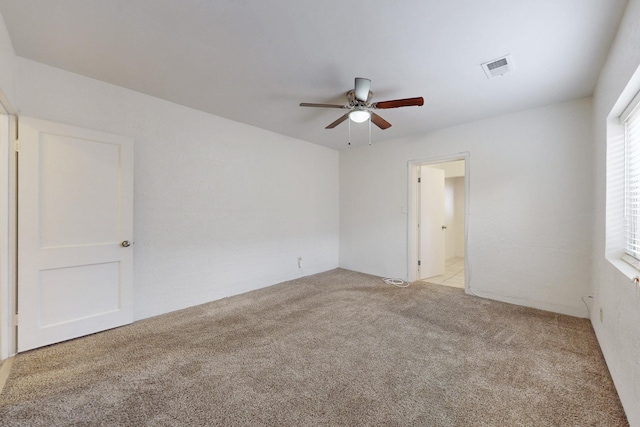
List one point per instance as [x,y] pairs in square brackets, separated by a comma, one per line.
[632,182]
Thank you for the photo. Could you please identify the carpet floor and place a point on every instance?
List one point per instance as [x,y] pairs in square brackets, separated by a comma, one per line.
[334,349]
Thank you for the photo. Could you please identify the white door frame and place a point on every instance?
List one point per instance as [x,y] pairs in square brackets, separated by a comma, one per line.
[413,212]
[8,227]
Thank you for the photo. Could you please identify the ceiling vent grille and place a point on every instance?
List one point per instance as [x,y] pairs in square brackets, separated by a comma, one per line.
[498,67]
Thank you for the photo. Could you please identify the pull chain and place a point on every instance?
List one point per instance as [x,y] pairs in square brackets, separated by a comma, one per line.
[369,128]
[349,120]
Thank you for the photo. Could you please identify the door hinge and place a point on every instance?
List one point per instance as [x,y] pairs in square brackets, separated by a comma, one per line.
[17,146]
[418,263]
[419,179]
[15,319]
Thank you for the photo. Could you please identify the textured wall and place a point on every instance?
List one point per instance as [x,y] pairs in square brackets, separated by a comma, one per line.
[619,330]
[220,207]
[7,64]
[530,204]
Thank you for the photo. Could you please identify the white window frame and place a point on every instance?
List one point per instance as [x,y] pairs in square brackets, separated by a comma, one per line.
[630,120]
[615,228]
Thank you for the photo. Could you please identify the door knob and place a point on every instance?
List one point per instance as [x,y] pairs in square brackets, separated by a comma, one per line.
[444,227]
[126,244]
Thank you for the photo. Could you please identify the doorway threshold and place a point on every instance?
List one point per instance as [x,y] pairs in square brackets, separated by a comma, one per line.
[453,274]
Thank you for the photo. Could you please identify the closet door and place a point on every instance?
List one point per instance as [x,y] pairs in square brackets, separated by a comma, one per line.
[75,227]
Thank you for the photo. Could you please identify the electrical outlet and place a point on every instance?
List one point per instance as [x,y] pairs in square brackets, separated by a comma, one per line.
[299,262]
[601,314]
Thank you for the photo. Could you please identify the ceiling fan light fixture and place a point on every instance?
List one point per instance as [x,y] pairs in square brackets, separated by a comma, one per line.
[359,116]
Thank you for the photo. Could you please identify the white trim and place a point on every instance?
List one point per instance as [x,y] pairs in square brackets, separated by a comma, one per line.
[7,237]
[4,235]
[626,269]
[630,108]
[615,234]
[632,262]
[8,227]
[626,100]
[412,212]
[615,237]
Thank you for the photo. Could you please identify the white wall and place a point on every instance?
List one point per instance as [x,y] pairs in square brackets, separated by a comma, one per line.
[220,207]
[7,64]
[530,204]
[619,332]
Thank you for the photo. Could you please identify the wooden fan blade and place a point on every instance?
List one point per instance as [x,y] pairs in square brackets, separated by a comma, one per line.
[337,122]
[307,104]
[379,121]
[407,102]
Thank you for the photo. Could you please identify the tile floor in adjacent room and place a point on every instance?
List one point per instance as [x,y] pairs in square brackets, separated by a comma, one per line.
[453,274]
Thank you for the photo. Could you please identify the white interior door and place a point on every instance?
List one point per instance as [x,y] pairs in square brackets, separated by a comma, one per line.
[75,212]
[431,222]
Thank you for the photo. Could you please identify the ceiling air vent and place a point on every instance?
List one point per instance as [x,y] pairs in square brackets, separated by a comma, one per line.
[498,67]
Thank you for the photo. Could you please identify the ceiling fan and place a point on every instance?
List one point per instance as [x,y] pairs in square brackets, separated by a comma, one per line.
[361,108]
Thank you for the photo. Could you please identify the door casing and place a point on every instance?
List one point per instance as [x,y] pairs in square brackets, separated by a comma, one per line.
[8,227]
[413,212]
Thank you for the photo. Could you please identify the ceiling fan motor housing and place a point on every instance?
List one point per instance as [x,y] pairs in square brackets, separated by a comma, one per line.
[361,89]
[353,101]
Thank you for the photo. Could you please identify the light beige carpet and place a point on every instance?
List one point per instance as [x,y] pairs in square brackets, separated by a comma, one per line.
[334,349]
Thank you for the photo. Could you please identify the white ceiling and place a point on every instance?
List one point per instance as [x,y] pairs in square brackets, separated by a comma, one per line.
[254,61]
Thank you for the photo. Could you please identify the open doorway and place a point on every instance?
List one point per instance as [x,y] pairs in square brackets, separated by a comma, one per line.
[441,223]
[437,230]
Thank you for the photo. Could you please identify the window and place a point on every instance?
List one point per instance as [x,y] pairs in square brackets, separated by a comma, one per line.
[630,119]
[622,206]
